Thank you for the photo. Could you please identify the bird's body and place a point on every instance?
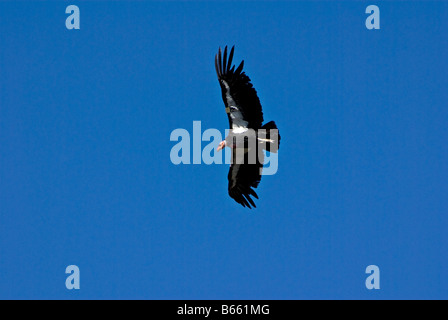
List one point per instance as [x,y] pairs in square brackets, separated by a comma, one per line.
[248,136]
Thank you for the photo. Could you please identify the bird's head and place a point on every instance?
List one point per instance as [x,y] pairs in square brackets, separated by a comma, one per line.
[221,145]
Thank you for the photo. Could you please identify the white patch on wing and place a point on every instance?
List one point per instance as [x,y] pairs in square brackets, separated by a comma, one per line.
[238,130]
[239,125]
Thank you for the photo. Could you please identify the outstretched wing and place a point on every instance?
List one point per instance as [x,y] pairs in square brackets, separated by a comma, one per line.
[243,178]
[242,104]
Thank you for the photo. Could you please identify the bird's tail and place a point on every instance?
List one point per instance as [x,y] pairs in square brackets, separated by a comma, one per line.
[271,138]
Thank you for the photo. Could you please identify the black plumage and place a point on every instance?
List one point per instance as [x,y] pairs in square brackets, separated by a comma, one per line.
[240,89]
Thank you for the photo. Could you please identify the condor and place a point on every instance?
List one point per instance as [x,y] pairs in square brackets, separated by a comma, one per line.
[243,109]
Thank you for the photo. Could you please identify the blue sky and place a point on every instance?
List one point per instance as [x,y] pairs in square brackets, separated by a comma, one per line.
[86,177]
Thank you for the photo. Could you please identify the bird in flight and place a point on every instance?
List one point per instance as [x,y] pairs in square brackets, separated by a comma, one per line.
[247,137]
